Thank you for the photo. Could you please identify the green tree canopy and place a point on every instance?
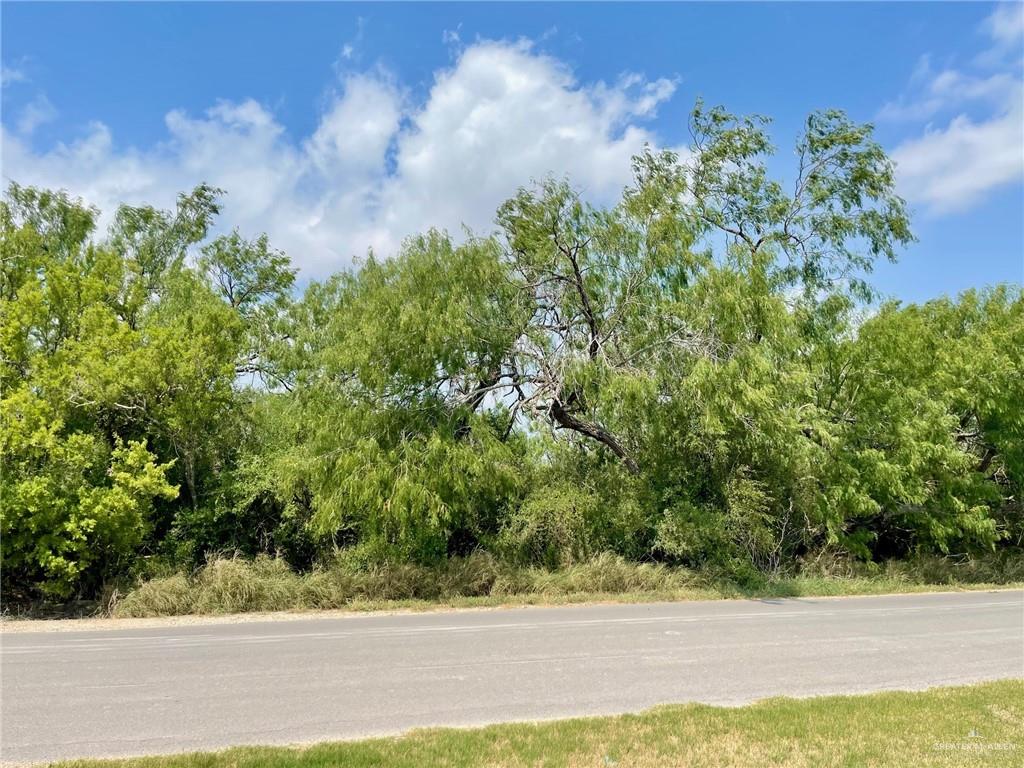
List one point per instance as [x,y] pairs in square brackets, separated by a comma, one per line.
[698,373]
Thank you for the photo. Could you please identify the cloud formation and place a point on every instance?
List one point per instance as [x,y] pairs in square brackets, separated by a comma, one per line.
[377,168]
[953,166]
[35,113]
[10,75]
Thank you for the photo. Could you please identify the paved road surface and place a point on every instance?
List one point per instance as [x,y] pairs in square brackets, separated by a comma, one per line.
[174,688]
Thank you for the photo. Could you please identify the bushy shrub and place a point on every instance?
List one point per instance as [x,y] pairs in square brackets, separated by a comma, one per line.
[691,534]
[550,527]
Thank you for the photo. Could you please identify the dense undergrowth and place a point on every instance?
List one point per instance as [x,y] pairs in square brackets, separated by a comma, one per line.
[235,585]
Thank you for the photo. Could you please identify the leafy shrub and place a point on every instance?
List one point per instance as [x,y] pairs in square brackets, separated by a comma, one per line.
[690,534]
[72,505]
[550,527]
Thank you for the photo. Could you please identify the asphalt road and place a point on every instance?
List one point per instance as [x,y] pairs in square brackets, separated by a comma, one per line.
[174,688]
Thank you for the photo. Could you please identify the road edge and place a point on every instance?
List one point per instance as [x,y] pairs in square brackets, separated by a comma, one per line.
[23,626]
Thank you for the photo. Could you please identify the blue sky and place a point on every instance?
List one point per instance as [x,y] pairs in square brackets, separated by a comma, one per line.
[336,127]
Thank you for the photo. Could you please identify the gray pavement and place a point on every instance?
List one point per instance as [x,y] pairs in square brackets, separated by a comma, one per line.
[176,688]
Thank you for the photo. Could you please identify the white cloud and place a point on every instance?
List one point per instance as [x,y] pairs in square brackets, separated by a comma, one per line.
[353,135]
[501,117]
[1005,26]
[9,75]
[950,89]
[377,168]
[351,49]
[952,167]
[37,112]
[451,36]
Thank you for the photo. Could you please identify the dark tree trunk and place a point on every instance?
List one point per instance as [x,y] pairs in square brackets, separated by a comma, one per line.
[566,420]
[475,399]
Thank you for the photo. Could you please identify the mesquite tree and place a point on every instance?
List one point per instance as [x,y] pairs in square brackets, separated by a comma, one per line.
[601,286]
[687,374]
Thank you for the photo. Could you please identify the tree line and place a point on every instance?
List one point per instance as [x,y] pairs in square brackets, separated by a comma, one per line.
[700,374]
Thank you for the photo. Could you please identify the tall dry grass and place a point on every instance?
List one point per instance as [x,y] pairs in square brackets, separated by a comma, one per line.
[237,585]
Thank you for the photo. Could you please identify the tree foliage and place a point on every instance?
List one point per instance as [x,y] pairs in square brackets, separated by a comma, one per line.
[697,374]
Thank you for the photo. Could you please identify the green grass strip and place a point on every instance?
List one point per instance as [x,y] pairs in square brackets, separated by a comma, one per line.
[977,725]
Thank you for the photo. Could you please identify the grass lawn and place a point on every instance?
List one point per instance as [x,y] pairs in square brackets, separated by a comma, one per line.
[978,725]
